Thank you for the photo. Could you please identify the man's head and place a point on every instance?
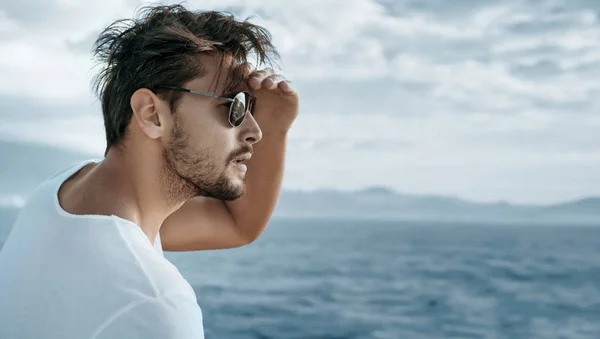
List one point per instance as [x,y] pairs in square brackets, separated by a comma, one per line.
[189,134]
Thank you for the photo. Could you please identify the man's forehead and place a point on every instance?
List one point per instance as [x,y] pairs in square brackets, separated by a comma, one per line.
[236,78]
[223,75]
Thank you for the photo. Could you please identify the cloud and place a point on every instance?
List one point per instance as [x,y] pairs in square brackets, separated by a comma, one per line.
[459,52]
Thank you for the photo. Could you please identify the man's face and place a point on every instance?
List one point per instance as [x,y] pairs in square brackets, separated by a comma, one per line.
[201,151]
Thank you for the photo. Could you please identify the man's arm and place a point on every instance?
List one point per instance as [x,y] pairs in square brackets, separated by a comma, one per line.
[205,223]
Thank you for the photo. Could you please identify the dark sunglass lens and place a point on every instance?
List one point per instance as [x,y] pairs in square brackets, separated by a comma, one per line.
[250,100]
[237,112]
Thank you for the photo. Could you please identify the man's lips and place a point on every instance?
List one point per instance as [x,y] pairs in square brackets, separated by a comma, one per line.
[242,158]
[241,166]
[238,161]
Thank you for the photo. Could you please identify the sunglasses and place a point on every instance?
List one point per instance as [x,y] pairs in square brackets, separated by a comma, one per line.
[241,103]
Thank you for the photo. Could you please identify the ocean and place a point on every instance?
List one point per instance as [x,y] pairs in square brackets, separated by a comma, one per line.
[350,279]
[391,280]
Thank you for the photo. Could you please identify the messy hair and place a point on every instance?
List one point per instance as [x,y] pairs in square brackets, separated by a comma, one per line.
[161,46]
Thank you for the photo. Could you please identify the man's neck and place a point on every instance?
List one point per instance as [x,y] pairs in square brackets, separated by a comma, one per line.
[129,187]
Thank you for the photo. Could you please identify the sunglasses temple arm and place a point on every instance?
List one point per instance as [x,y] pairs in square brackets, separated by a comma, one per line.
[211,95]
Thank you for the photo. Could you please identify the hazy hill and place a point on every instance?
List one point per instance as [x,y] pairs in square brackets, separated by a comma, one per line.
[380,203]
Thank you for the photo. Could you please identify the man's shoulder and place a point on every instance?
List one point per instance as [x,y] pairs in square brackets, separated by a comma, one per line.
[69,168]
[50,183]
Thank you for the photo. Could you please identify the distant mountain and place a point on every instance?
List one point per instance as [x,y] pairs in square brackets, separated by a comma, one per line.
[24,166]
[583,206]
[380,203]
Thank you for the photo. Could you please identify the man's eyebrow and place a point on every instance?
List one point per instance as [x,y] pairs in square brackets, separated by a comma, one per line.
[237,82]
[229,94]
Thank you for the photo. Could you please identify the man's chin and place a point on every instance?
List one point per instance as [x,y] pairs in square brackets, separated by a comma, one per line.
[232,190]
[238,192]
[230,196]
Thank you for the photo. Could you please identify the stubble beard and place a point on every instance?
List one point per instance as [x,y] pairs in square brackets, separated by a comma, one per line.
[188,173]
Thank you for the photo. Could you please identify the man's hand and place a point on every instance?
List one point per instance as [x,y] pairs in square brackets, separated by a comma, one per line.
[276,105]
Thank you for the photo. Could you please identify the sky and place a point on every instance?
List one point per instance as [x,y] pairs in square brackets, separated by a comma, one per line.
[486,101]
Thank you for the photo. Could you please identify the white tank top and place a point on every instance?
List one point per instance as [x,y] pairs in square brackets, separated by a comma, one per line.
[68,276]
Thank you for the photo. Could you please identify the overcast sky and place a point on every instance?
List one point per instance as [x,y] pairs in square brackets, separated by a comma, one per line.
[484,100]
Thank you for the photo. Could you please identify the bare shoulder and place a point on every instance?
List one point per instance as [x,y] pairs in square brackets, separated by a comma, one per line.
[71,194]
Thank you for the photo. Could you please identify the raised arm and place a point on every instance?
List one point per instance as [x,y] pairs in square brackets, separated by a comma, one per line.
[204,223]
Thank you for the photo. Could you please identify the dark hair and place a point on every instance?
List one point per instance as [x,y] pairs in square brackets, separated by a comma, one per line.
[161,46]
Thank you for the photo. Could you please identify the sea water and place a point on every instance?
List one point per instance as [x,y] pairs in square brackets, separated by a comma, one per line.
[372,279]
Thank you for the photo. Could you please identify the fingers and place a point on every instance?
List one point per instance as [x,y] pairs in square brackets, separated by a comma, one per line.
[257,77]
[285,86]
[267,79]
[272,81]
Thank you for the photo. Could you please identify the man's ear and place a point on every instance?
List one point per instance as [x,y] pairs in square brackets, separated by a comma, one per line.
[146,107]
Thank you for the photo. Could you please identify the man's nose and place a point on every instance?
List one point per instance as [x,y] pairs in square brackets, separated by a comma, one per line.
[251,131]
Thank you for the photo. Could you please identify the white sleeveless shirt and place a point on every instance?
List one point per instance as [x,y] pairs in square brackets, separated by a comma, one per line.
[66,276]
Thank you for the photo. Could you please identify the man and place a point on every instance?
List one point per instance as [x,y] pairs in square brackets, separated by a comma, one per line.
[194,161]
